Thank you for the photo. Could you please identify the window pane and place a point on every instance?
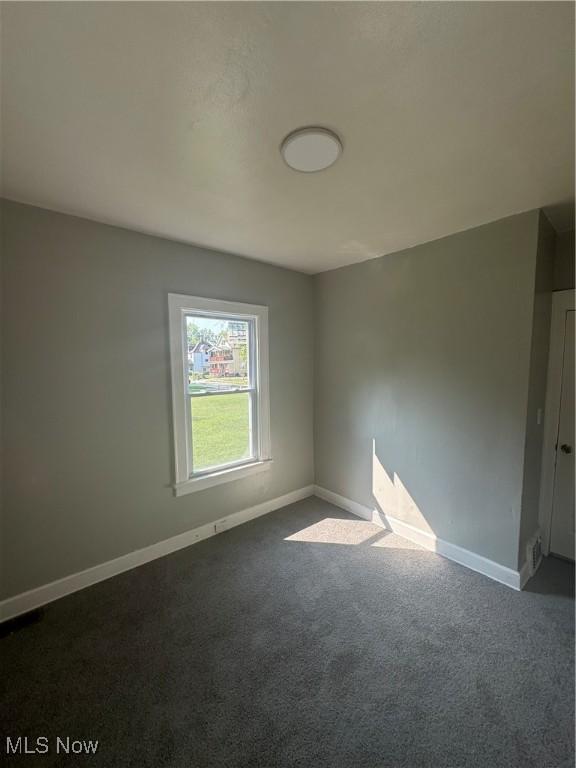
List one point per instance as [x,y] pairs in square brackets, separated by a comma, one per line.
[218,352]
[220,429]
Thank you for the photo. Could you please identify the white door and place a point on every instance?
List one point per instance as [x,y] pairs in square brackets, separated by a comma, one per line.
[562,531]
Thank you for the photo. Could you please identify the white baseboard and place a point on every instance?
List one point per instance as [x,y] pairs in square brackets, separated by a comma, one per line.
[34,598]
[341,501]
[430,541]
[524,575]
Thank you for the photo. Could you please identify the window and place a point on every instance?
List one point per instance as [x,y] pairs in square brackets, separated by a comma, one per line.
[219,359]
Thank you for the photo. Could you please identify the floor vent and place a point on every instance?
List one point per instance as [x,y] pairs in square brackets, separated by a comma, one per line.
[19,622]
[534,553]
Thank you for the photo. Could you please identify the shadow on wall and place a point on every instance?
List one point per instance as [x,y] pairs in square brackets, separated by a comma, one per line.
[393,499]
[471,506]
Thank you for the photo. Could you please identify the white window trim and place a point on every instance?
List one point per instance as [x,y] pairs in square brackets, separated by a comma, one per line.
[179,306]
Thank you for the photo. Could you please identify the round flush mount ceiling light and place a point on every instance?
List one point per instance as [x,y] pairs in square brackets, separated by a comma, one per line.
[311,149]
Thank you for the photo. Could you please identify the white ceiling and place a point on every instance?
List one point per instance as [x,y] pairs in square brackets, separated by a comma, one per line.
[167,118]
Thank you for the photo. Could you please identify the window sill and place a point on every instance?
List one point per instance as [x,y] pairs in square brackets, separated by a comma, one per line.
[222,476]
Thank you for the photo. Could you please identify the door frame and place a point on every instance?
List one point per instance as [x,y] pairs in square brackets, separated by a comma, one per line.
[562,302]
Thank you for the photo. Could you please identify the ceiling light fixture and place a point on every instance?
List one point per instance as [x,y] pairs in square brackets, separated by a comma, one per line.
[311,149]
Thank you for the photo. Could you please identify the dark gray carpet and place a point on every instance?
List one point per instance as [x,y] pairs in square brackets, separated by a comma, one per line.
[251,650]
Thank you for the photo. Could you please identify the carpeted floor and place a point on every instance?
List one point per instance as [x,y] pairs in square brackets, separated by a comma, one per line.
[304,638]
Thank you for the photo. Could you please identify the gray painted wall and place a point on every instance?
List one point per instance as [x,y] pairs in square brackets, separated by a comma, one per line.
[429,372]
[2,533]
[87,424]
[425,354]
[564,261]
[542,310]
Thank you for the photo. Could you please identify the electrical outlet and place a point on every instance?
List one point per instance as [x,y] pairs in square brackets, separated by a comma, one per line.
[221,525]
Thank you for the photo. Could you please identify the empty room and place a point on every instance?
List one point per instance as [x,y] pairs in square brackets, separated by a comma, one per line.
[287,384]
